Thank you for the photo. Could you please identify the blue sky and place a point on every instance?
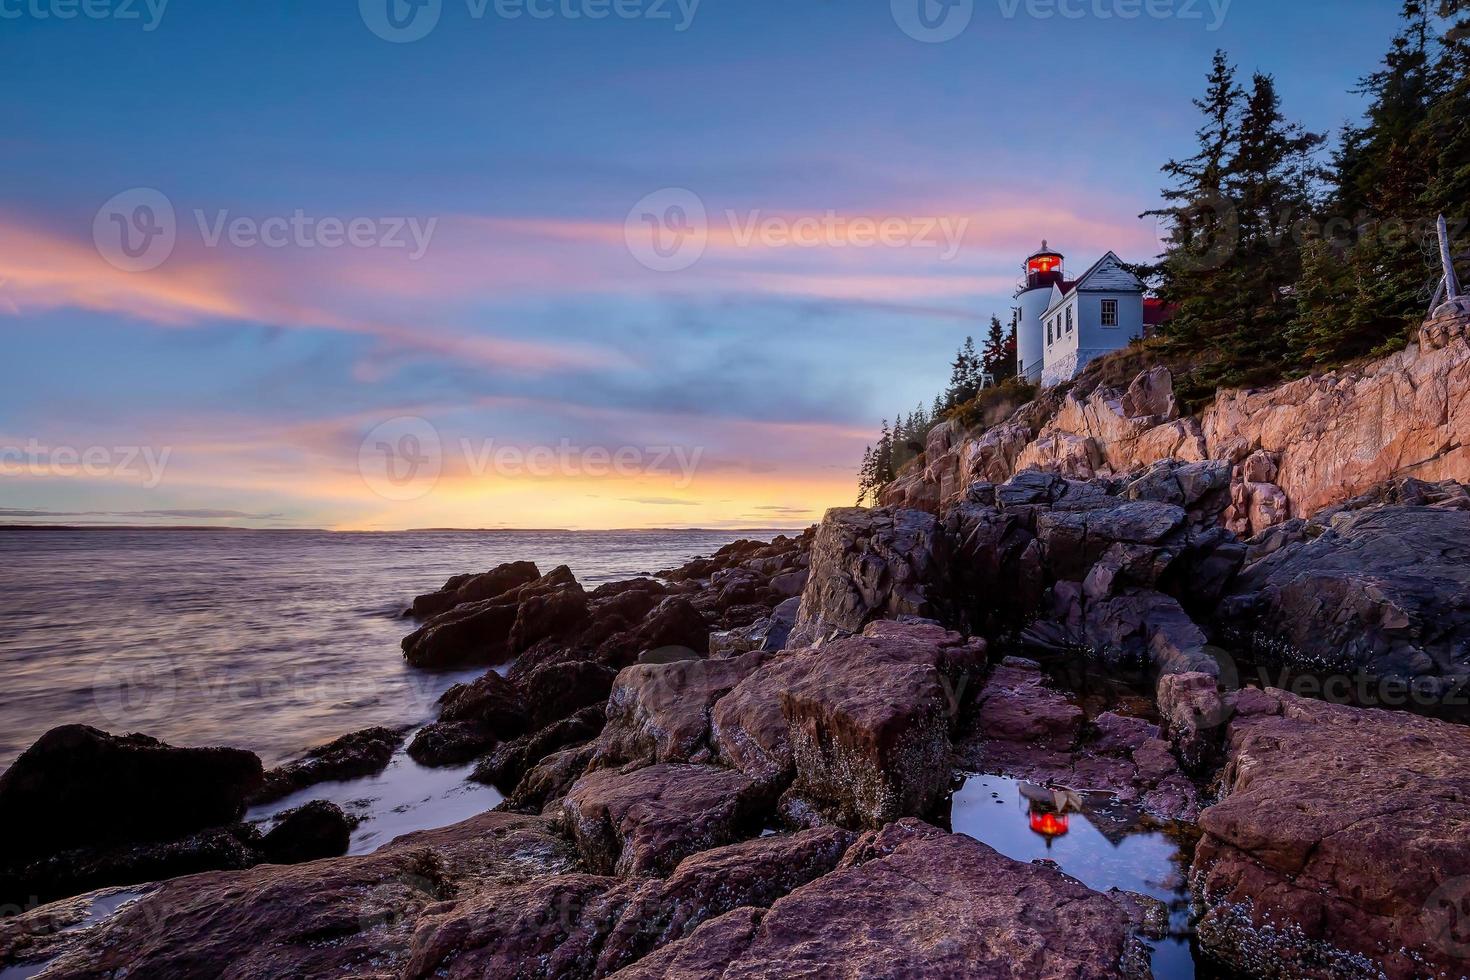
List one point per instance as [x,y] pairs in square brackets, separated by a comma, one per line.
[260,379]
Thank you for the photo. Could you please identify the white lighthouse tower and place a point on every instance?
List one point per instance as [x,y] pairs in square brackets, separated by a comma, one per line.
[1043,271]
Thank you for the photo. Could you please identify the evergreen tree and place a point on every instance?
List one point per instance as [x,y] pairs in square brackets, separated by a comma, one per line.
[1272,179]
[883,459]
[1395,173]
[1200,220]
[964,373]
[974,369]
[866,476]
[999,357]
[1447,123]
[1383,165]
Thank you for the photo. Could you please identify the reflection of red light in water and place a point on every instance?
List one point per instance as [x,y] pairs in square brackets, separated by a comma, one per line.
[1048,824]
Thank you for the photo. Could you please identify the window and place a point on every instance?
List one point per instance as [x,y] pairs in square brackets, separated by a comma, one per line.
[1069,319]
[1110,313]
[1048,333]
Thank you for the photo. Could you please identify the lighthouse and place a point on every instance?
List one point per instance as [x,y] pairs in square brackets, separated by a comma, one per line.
[1043,270]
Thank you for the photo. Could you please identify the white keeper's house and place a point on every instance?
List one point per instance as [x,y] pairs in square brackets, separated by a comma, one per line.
[1062,323]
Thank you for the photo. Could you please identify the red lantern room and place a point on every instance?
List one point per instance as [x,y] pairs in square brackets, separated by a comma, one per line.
[1043,268]
[1047,824]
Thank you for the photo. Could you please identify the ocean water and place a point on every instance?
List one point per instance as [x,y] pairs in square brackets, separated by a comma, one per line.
[272,641]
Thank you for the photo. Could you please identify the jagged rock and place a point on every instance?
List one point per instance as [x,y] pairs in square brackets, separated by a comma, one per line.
[353,756]
[867,565]
[788,585]
[1341,843]
[661,712]
[351,916]
[478,716]
[642,823]
[1195,715]
[549,780]
[509,762]
[706,885]
[1073,541]
[1017,705]
[1109,432]
[934,904]
[317,830]
[1337,435]
[475,588]
[861,724]
[490,631]
[81,787]
[769,633]
[1384,590]
[1201,488]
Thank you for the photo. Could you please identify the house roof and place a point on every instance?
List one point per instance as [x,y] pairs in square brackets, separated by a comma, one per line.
[1101,276]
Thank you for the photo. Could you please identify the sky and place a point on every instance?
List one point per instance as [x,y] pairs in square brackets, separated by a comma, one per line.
[557,263]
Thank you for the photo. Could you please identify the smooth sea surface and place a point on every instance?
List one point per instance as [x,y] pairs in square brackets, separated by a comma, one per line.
[272,641]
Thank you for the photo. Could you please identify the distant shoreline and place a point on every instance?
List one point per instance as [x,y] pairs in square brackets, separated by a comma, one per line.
[411,530]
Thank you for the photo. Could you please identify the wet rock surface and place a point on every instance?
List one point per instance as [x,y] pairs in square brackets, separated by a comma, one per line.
[1384,590]
[660,712]
[1341,842]
[1023,726]
[306,833]
[915,902]
[353,756]
[341,917]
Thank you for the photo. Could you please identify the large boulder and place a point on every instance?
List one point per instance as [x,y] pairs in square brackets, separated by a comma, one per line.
[1341,843]
[861,725]
[1384,591]
[643,823]
[493,630]
[867,565]
[317,830]
[80,787]
[915,901]
[474,588]
[660,712]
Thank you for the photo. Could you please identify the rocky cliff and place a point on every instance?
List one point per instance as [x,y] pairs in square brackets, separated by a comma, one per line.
[1295,449]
